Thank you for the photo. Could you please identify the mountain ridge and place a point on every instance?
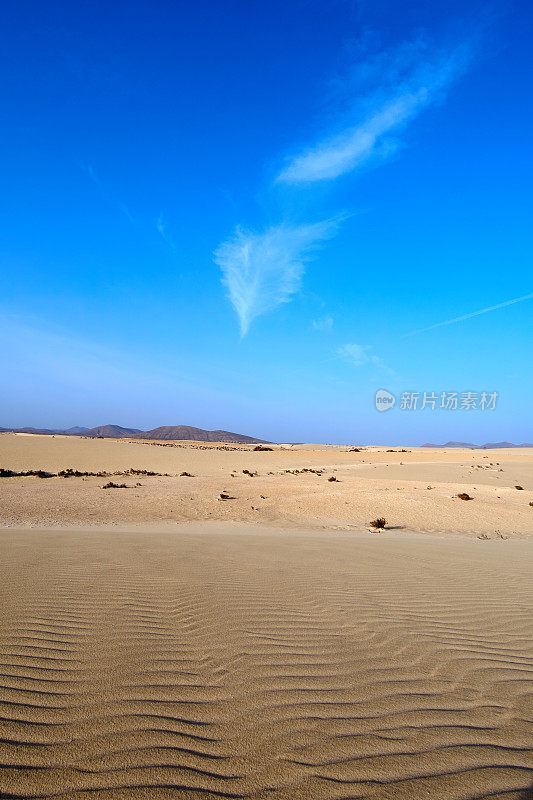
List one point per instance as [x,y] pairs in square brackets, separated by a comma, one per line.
[487,446]
[165,432]
[189,433]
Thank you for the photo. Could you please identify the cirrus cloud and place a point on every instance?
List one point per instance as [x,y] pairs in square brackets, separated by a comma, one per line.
[263,270]
[394,88]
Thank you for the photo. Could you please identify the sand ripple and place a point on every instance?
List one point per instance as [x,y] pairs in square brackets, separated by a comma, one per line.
[264,665]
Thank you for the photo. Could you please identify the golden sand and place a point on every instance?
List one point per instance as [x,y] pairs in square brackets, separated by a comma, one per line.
[215,662]
[159,642]
[415,490]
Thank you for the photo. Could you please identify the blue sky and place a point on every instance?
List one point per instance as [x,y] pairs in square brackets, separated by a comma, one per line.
[253,216]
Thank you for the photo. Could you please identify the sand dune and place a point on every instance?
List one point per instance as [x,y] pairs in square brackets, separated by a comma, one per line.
[414,490]
[228,658]
[221,663]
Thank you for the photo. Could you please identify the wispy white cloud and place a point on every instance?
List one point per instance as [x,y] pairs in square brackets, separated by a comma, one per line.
[262,270]
[472,314]
[323,324]
[97,380]
[358,355]
[385,91]
[106,195]
[162,229]
[391,89]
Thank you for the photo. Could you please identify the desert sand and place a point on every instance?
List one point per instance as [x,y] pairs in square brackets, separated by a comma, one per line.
[209,663]
[158,642]
[415,490]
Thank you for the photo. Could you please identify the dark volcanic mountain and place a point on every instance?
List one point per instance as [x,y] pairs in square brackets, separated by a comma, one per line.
[111,432]
[196,435]
[168,432]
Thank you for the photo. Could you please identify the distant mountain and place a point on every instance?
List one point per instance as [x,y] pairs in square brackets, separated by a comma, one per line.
[488,446]
[30,430]
[495,445]
[50,431]
[181,432]
[452,444]
[111,432]
[168,432]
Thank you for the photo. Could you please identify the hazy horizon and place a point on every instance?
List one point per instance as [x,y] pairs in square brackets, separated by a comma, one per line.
[81,429]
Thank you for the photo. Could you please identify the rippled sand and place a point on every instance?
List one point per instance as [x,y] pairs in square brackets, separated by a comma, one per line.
[231,662]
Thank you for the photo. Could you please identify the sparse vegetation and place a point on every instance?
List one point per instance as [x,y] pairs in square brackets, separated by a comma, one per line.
[378,523]
[262,447]
[333,478]
[250,474]
[301,471]
[186,475]
[75,473]
[111,485]
[147,472]
[520,488]
[37,473]
[464,496]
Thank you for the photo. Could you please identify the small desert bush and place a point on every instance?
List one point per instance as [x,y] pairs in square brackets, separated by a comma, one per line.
[225,496]
[378,523]
[464,496]
[147,472]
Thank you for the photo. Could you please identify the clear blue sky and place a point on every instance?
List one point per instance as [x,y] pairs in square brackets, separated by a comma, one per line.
[230,214]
